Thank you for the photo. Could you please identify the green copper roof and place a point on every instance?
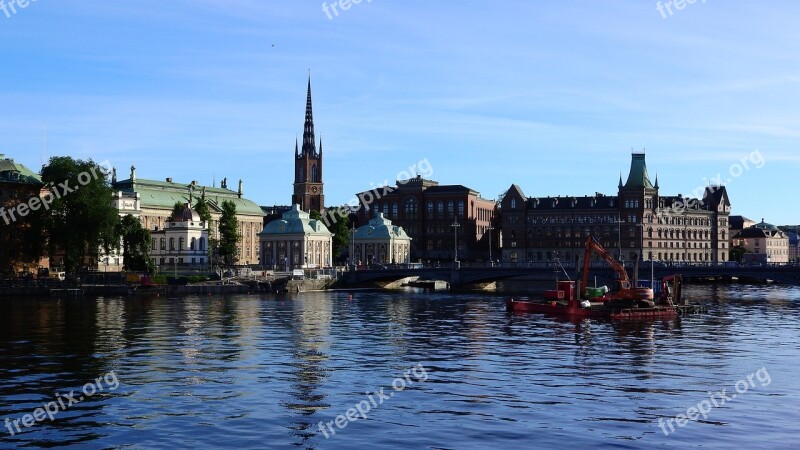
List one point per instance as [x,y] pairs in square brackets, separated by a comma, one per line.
[24,175]
[296,221]
[162,194]
[380,228]
[637,177]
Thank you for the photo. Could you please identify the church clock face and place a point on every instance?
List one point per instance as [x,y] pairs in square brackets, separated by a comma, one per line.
[314,189]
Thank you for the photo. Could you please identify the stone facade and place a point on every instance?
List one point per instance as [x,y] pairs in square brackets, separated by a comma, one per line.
[295,241]
[182,242]
[18,185]
[764,243]
[638,220]
[381,242]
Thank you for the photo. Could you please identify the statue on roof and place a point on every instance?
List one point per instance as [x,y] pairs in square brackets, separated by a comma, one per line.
[133,173]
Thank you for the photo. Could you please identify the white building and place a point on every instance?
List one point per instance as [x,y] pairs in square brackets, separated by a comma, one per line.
[295,241]
[182,242]
[380,242]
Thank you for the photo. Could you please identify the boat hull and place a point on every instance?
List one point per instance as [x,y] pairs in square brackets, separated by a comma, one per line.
[572,309]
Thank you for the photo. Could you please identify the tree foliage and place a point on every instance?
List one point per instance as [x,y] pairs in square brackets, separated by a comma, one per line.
[135,245]
[81,218]
[201,207]
[228,233]
[341,233]
[177,210]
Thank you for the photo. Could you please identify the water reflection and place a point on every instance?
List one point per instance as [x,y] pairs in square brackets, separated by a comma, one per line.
[248,371]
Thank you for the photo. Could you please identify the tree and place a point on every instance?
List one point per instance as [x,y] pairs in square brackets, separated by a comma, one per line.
[201,207]
[315,215]
[177,210]
[737,253]
[341,233]
[135,245]
[228,233]
[80,218]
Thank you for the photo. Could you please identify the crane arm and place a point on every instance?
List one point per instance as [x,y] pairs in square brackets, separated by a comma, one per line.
[592,245]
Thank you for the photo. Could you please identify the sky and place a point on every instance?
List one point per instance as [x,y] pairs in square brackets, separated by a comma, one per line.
[552,96]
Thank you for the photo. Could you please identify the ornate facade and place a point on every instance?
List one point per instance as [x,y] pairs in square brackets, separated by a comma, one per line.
[381,242]
[636,221]
[296,241]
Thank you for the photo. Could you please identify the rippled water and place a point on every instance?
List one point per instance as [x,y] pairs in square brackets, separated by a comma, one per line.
[265,371]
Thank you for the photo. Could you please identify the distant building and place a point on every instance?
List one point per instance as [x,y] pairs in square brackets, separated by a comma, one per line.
[295,241]
[638,220]
[182,242]
[274,212]
[381,242]
[427,212]
[157,198]
[308,186]
[18,185]
[765,243]
[794,246]
[737,224]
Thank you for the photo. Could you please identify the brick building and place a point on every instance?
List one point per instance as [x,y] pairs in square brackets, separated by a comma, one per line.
[427,211]
[638,220]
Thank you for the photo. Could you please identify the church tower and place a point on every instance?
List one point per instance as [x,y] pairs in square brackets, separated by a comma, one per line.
[308,166]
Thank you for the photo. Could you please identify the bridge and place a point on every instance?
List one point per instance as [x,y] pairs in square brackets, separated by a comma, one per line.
[476,275]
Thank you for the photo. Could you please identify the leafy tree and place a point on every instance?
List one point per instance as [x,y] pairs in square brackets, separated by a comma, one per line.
[228,233]
[341,233]
[737,253]
[201,207]
[80,219]
[135,245]
[177,210]
[315,215]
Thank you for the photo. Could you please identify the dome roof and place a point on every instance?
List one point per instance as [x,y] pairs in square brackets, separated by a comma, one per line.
[296,221]
[187,215]
[380,228]
[765,226]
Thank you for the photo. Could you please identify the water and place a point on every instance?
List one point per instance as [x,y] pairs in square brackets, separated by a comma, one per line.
[264,371]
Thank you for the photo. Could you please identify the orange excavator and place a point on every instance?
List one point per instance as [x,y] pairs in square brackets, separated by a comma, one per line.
[623,291]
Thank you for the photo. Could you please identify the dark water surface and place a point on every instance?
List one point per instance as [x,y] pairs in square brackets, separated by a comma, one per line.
[264,372]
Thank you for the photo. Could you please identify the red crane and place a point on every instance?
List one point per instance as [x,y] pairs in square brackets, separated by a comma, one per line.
[625,291]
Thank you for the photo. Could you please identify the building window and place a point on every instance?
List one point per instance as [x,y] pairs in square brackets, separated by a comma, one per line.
[153,243]
[430,209]
[314,176]
[394,210]
[513,203]
[180,244]
[461,208]
[193,244]
[440,208]
[411,208]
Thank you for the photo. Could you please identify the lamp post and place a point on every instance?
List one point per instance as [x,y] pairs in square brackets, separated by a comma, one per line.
[455,226]
[490,229]
[619,237]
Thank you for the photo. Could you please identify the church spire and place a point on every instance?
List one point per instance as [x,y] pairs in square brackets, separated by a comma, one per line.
[309,147]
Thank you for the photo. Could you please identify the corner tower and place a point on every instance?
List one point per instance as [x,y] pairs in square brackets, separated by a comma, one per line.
[308,166]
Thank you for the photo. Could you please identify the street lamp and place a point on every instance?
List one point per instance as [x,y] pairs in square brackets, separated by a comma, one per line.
[619,237]
[491,264]
[455,226]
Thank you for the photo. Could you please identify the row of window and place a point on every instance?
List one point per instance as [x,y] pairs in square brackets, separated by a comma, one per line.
[200,244]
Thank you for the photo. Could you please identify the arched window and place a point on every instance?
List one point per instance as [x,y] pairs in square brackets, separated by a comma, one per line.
[430,209]
[411,208]
[163,243]
[394,210]
[513,203]
[450,208]
[172,243]
[314,177]
[202,245]
[300,174]
[180,243]
[385,209]
[193,244]
[440,208]
[461,208]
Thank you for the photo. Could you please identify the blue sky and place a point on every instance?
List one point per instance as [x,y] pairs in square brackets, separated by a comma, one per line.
[549,95]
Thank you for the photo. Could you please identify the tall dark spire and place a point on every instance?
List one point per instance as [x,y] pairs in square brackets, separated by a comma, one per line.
[309,147]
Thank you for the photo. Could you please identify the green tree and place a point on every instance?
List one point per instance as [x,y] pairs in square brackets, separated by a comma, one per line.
[201,207]
[177,210]
[737,253]
[314,214]
[81,218]
[135,245]
[228,233]
[341,233]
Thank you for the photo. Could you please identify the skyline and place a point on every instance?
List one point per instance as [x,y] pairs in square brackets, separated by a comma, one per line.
[552,97]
